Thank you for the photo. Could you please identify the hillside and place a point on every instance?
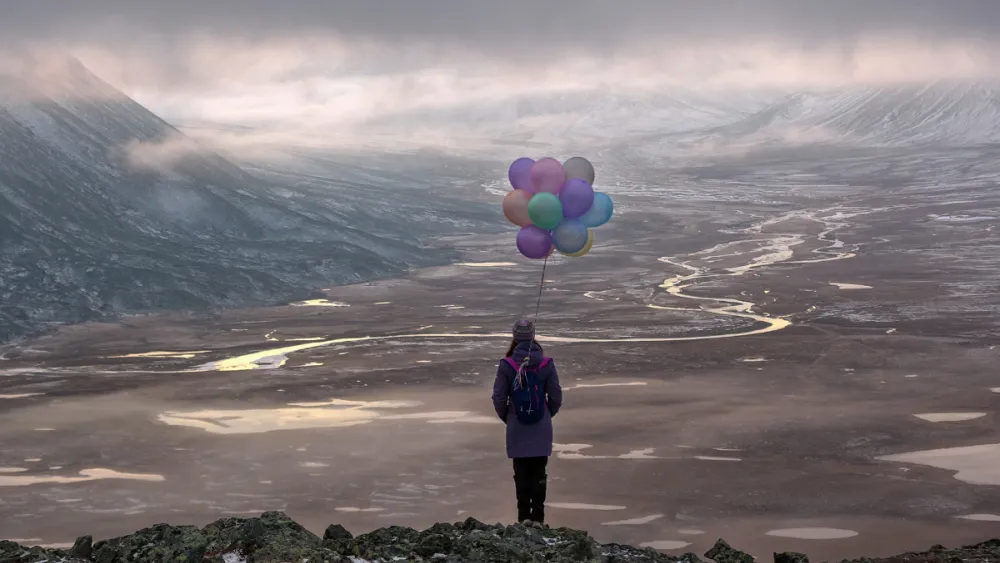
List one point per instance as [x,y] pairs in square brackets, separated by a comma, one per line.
[105,208]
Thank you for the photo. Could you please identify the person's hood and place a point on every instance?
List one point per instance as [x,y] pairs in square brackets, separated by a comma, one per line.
[526,349]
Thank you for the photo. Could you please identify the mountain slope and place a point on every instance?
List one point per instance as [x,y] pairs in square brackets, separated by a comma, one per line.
[98,215]
[578,119]
[943,114]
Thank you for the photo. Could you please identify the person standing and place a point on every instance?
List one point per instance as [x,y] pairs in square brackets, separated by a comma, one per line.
[526,395]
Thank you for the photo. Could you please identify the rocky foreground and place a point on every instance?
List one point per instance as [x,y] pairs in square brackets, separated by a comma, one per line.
[276,538]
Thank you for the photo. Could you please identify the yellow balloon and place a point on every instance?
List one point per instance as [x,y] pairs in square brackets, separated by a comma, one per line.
[586,248]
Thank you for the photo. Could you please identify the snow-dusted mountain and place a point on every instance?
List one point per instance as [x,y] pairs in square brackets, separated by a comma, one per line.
[942,114]
[720,122]
[106,208]
[577,119]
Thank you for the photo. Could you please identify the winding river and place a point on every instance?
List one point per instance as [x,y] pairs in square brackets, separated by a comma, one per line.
[771,249]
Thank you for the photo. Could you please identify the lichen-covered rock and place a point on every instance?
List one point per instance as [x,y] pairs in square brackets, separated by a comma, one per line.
[182,544]
[986,552]
[722,552]
[790,557]
[276,538]
[471,524]
[11,552]
[394,543]
[336,532]
[82,548]
[433,544]
[617,553]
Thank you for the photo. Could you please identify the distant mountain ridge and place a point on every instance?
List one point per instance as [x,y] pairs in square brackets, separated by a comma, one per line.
[942,114]
[99,215]
[950,113]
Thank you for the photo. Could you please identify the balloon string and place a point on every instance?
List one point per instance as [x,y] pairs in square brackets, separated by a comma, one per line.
[538,305]
[541,285]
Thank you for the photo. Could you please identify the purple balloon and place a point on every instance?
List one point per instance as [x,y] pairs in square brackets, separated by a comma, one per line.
[534,242]
[520,174]
[576,196]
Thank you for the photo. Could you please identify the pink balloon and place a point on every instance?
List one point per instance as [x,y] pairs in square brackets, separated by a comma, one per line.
[515,207]
[548,175]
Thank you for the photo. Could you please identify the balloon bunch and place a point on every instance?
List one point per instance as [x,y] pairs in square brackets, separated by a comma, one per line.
[556,206]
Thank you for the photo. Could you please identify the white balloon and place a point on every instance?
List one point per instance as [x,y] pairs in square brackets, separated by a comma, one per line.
[579,167]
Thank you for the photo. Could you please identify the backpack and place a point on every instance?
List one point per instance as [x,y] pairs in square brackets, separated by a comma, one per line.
[527,392]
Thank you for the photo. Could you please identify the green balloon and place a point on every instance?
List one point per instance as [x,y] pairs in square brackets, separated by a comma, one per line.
[545,210]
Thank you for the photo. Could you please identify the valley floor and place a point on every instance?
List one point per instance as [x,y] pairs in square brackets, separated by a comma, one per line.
[812,372]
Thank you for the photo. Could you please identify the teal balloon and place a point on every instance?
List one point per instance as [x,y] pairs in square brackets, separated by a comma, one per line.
[545,210]
[600,212]
[570,236]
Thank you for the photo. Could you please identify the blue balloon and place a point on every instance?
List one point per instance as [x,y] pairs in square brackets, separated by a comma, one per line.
[600,212]
[570,236]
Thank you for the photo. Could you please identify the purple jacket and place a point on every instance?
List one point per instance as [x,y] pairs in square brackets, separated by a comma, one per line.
[534,440]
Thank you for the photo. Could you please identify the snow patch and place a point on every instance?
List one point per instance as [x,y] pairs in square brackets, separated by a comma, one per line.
[847,286]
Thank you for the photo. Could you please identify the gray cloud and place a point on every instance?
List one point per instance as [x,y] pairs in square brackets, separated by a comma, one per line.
[502,27]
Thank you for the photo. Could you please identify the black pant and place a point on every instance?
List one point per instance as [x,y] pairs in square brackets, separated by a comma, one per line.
[530,482]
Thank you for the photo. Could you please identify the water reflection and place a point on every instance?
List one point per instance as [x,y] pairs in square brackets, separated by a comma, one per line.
[320,303]
[335,413]
[85,475]
[813,533]
[635,521]
[981,517]
[665,545]
[976,465]
[850,286]
[950,416]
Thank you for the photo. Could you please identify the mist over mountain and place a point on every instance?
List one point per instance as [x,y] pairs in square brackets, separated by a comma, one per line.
[105,208]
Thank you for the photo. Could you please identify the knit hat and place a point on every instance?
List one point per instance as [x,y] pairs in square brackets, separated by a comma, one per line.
[524,331]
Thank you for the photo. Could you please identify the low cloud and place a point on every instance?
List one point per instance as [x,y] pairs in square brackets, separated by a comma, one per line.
[162,156]
[253,76]
[325,93]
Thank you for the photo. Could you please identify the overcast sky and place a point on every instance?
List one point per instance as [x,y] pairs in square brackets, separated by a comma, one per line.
[505,26]
[302,62]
